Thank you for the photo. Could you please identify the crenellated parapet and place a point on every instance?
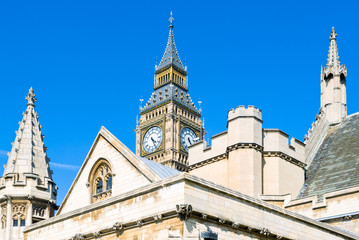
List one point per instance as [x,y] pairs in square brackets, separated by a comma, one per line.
[278,144]
[242,111]
[249,158]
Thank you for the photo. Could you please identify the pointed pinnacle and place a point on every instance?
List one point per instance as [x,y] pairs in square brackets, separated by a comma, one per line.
[333,34]
[31,98]
[171,19]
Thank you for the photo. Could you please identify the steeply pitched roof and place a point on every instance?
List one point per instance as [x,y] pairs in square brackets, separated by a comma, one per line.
[153,172]
[336,164]
[170,56]
[28,153]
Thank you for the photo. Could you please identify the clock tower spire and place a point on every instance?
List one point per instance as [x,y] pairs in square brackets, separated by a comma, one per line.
[169,122]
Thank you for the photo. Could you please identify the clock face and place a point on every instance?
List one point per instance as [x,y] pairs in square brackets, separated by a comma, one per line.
[152,139]
[188,137]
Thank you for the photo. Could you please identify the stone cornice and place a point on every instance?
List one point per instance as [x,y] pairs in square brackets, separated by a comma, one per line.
[225,155]
[243,146]
[119,228]
[208,161]
[247,146]
[285,157]
[193,180]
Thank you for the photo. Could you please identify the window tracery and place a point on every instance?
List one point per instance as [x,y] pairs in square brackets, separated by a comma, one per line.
[19,215]
[38,211]
[101,181]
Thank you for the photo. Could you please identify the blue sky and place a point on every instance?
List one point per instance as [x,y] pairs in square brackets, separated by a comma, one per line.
[90,62]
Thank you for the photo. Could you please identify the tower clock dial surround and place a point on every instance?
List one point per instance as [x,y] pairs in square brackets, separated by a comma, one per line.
[152,139]
[188,137]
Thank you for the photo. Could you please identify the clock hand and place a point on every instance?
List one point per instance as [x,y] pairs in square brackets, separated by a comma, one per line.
[154,142]
[189,140]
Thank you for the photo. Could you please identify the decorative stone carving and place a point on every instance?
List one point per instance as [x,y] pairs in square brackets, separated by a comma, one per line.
[204,216]
[117,226]
[348,217]
[235,225]
[222,221]
[139,223]
[184,211]
[78,236]
[265,231]
[157,217]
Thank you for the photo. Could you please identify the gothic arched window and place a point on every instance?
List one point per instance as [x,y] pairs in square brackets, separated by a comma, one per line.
[100,180]
[18,220]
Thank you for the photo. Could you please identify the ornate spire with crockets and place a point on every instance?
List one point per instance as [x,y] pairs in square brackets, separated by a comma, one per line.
[333,64]
[170,57]
[28,153]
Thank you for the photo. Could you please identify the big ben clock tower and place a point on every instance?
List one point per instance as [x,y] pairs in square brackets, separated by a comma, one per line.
[169,122]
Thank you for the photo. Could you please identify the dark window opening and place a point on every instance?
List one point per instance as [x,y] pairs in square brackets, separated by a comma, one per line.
[15,223]
[109,183]
[22,223]
[99,186]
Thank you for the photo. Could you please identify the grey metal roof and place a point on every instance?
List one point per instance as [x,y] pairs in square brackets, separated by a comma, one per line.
[336,164]
[161,170]
[167,93]
[170,56]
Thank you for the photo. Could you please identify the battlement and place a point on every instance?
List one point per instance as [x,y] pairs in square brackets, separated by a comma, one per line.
[242,111]
[276,140]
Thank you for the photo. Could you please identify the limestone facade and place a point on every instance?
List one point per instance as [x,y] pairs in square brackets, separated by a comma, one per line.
[250,159]
[182,207]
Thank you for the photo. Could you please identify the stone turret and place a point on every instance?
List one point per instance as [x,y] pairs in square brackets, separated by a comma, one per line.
[244,153]
[333,84]
[333,102]
[27,191]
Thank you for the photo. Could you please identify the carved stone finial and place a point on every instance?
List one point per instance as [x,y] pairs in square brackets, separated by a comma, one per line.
[97,234]
[171,19]
[31,98]
[333,34]
[30,197]
[183,211]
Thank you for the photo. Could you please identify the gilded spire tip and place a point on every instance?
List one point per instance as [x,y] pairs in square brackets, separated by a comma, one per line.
[171,19]
[31,98]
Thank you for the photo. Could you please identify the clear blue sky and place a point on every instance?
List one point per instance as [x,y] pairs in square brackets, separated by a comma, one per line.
[90,62]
